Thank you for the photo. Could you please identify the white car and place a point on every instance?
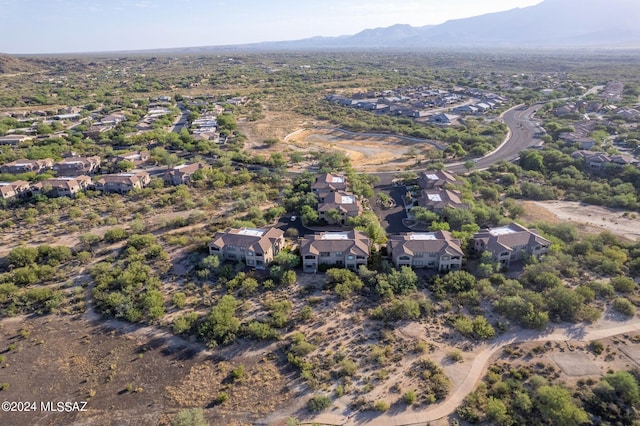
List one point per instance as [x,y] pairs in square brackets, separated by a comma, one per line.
[293,218]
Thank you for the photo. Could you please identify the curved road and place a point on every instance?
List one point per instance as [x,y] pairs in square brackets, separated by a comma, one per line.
[522,135]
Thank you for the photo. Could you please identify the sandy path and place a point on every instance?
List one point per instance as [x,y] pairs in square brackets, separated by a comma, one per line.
[475,371]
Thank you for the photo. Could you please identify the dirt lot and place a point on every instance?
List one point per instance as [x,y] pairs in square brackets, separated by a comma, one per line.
[127,378]
[367,151]
[589,219]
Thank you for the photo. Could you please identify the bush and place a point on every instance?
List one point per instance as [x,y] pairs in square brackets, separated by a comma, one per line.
[381,406]
[455,355]
[624,306]
[410,397]
[318,403]
[238,373]
[115,234]
[190,417]
[623,284]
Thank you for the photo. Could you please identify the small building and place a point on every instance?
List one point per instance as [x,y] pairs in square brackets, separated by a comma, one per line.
[437,200]
[254,247]
[25,166]
[327,183]
[346,204]
[510,243]
[14,140]
[443,119]
[123,182]
[76,166]
[342,249]
[181,175]
[431,179]
[137,158]
[62,186]
[16,189]
[434,250]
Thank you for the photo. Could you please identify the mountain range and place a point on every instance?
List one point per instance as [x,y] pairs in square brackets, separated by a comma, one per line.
[549,24]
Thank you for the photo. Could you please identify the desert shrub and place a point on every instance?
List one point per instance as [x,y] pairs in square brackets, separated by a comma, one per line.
[381,406]
[410,397]
[624,306]
[623,284]
[318,403]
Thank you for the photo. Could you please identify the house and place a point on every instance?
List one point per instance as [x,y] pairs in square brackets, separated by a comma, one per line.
[343,249]
[431,179]
[465,109]
[24,166]
[328,183]
[622,160]
[16,189]
[346,204]
[434,250]
[254,247]
[181,175]
[438,199]
[62,186]
[510,243]
[76,166]
[136,158]
[14,140]
[443,119]
[593,160]
[122,182]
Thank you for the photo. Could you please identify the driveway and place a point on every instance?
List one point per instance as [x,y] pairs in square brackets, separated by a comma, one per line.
[391,218]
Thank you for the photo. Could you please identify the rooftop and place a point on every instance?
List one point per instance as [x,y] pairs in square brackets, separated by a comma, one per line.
[335,236]
[434,197]
[337,179]
[422,237]
[252,232]
[504,230]
[348,199]
[432,177]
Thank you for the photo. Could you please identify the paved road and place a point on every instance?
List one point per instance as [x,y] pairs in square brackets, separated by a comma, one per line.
[522,135]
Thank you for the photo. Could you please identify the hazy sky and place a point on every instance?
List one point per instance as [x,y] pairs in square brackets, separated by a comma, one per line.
[56,26]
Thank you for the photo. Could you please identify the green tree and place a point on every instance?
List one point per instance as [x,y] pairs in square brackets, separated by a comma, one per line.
[22,256]
[221,325]
[557,407]
[532,160]
[497,412]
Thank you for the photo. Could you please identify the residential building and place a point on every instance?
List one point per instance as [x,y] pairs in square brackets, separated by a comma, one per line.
[346,204]
[433,250]
[14,140]
[343,249]
[123,182]
[136,158]
[443,119]
[62,186]
[430,179]
[24,166]
[510,243]
[438,199]
[254,247]
[328,183]
[181,174]
[76,166]
[16,189]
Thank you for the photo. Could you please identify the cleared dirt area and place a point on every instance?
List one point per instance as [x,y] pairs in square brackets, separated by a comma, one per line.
[127,378]
[367,151]
[589,219]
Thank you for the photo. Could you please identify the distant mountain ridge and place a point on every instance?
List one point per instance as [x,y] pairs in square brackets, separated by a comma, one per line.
[552,23]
